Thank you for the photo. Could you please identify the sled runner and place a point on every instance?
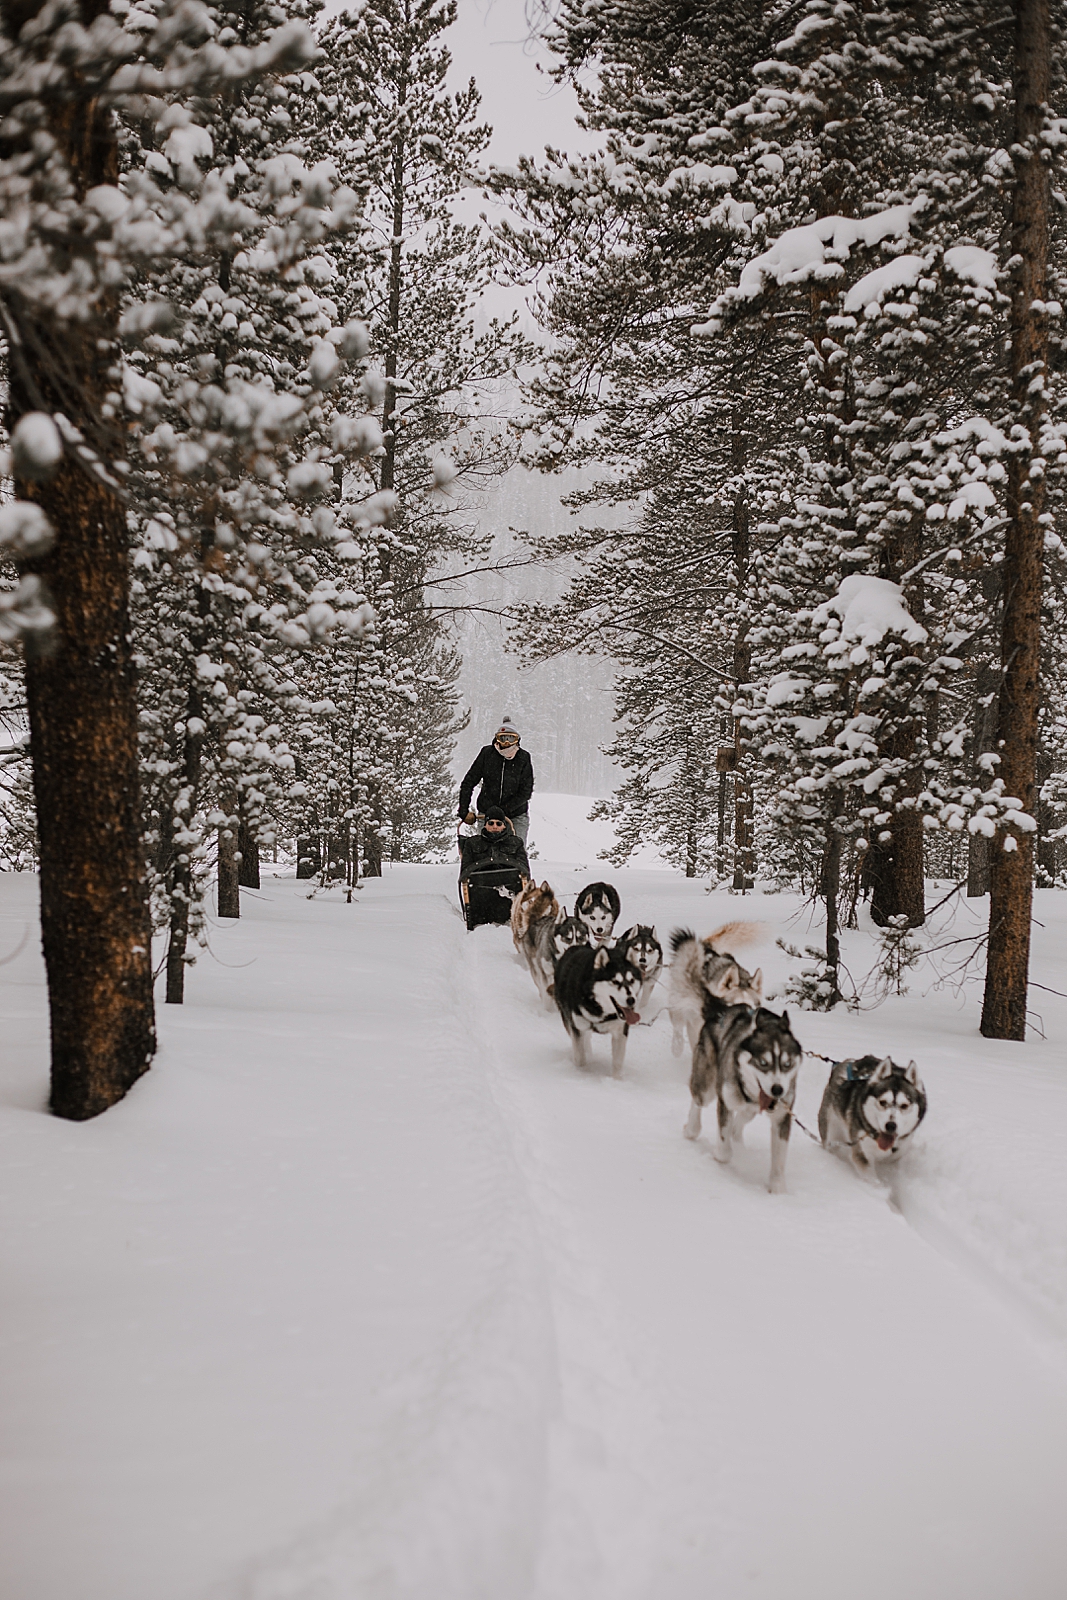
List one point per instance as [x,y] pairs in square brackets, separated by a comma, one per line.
[486,892]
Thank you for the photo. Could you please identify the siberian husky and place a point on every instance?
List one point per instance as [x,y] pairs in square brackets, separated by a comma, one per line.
[640,945]
[598,906]
[747,1059]
[551,938]
[872,1107]
[596,991]
[531,903]
[701,967]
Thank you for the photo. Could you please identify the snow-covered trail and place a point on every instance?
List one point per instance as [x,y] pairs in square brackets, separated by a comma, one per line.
[767,1396]
[364,1293]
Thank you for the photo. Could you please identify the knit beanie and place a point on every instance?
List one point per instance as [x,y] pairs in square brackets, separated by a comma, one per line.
[506,726]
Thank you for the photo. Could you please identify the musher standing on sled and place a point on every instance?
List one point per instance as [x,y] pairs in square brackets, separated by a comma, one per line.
[507,778]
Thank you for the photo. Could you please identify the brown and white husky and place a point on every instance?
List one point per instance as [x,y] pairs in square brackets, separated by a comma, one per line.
[531,904]
[705,967]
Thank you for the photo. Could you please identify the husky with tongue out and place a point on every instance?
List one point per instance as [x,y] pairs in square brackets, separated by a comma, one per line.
[872,1107]
[596,990]
[746,1059]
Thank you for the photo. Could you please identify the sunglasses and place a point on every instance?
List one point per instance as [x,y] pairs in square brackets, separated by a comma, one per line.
[494,824]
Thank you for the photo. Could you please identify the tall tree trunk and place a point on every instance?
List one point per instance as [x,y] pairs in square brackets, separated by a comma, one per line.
[895,868]
[830,888]
[744,854]
[372,850]
[229,884]
[1011,867]
[248,866]
[182,869]
[985,723]
[80,688]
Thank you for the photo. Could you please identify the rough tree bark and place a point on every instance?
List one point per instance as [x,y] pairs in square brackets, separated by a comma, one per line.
[81,698]
[229,893]
[182,868]
[1011,864]
[744,843]
[248,867]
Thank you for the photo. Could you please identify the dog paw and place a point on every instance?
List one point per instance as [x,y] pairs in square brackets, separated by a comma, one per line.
[721,1152]
[776,1186]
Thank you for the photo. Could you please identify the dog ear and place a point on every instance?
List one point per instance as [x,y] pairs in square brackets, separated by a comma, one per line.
[757,983]
[602,957]
[882,1070]
[911,1073]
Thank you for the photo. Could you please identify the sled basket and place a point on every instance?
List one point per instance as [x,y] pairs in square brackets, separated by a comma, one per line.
[487,896]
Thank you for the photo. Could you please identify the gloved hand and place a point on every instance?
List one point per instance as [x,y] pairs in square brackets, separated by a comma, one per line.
[470,819]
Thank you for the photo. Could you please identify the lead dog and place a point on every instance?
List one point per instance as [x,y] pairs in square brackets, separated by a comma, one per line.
[640,945]
[747,1060]
[596,991]
[702,967]
[598,906]
[873,1107]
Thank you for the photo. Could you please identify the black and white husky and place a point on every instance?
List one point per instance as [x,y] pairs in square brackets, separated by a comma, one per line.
[872,1107]
[703,967]
[640,945]
[596,990]
[598,906]
[551,938]
[747,1060]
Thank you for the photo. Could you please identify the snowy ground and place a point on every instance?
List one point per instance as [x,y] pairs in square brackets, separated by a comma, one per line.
[365,1292]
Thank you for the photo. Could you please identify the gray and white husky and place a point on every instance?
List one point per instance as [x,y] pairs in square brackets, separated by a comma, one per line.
[640,945]
[551,938]
[702,967]
[871,1107]
[747,1060]
[596,991]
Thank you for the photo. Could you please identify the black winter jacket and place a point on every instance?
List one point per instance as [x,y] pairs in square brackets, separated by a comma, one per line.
[484,851]
[507,784]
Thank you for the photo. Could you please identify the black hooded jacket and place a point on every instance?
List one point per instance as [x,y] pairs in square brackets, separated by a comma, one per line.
[507,784]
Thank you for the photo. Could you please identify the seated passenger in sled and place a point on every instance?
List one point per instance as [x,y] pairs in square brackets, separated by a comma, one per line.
[493,868]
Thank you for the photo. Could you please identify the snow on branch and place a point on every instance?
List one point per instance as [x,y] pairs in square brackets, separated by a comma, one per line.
[813,253]
[869,609]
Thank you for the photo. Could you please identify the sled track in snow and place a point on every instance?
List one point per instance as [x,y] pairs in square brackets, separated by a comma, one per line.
[672,1283]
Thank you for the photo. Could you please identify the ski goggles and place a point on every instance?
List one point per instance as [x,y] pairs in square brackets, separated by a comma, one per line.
[506,740]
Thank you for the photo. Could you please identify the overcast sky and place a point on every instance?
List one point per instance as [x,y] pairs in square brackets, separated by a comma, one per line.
[491,42]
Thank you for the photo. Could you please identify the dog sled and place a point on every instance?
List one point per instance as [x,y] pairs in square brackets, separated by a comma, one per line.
[486,893]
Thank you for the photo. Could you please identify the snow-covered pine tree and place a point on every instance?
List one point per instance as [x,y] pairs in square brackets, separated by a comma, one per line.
[383,85]
[625,244]
[972,100]
[247,575]
[80,233]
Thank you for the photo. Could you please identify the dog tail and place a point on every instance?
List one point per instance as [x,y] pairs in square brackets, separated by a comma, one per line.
[681,936]
[734,936]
